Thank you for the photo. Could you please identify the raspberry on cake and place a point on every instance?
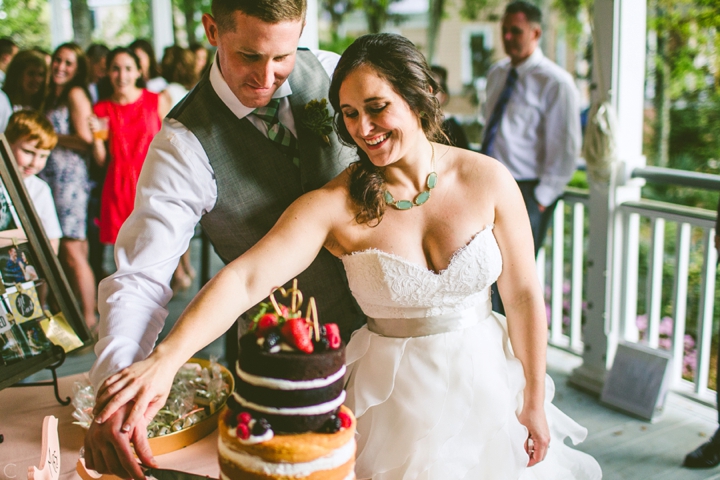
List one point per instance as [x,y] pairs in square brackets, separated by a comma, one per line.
[285,419]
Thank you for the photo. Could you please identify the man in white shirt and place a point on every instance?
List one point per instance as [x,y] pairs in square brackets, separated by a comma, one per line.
[214,161]
[532,117]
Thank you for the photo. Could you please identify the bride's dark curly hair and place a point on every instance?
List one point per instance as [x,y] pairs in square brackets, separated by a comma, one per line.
[396,60]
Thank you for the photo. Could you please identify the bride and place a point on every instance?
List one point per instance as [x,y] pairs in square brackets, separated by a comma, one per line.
[442,387]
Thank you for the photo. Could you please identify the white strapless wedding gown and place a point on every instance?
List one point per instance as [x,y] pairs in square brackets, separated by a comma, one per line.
[433,380]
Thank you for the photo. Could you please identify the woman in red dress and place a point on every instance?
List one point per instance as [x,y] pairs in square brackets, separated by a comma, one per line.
[133,115]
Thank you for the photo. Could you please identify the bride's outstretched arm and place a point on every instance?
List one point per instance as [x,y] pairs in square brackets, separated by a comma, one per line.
[524,307]
[290,246]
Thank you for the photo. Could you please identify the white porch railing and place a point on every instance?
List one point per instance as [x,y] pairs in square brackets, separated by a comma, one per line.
[644,225]
[566,279]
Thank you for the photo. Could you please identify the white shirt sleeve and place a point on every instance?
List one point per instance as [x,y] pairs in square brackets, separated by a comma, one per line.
[42,199]
[328,60]
[563,137]
[176,187]
[6,111]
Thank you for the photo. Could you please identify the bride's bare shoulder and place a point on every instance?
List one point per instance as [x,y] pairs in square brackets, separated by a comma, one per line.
[476,168]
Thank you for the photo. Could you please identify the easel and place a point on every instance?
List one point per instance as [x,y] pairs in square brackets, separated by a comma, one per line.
[60,353]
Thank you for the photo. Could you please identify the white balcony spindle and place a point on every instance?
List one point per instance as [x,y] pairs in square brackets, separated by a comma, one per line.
[680,288]
[576,285]
[558,253]
[654,281]
[705,328]
[631,234]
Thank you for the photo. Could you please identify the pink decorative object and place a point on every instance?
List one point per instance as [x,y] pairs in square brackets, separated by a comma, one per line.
[50,457]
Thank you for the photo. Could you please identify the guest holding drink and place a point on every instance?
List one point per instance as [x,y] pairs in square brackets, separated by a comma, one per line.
[69,109]
[133,115]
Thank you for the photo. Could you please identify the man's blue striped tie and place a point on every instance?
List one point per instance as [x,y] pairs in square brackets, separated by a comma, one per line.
[494,123]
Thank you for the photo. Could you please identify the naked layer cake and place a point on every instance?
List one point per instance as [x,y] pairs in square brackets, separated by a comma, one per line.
[285,419]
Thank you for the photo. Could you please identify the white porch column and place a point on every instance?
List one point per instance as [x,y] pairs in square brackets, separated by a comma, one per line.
[162,25]
[620,36]
[58,32]
[310,38]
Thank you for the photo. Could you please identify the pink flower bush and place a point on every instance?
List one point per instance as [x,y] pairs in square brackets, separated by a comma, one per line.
[665,330]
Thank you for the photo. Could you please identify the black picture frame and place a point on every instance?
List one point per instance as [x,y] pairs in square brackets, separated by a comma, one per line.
[24,231]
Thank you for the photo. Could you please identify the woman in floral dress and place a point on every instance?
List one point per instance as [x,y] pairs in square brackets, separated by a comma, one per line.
[69,109]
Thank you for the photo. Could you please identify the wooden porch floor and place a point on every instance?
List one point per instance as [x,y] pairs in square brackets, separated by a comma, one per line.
[625,447]
[632,449]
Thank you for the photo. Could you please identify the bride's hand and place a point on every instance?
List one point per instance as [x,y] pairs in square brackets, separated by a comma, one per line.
[147,383]
[538,440]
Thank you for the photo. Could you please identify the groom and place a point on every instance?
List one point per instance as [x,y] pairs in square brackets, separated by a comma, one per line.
[233,155]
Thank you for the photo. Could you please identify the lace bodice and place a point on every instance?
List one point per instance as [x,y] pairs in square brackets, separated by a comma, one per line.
[388,286]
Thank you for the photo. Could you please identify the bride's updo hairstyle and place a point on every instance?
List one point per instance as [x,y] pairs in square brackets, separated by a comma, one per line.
[397,61]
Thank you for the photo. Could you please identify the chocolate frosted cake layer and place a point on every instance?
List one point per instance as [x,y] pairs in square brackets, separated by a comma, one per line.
[294,423]
[288,365]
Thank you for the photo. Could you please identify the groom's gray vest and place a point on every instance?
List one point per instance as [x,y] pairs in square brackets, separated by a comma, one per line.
[256,182]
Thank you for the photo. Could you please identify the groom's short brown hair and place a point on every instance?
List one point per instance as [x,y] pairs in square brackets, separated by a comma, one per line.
[269,11]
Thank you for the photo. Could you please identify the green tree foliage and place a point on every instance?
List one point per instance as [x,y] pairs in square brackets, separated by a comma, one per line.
[573,11]
[191,11]
[337,9]
[377,14]
[27,22]
[683,68]
[473,9]
[139,23]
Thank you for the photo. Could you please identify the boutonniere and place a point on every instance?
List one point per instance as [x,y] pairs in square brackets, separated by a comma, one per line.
[317,119]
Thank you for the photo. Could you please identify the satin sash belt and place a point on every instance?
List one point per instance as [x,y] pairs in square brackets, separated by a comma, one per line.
[422,327]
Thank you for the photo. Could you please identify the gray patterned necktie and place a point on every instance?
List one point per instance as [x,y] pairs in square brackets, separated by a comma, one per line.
[277,132]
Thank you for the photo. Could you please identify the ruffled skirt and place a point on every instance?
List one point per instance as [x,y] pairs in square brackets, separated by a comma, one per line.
[445,406]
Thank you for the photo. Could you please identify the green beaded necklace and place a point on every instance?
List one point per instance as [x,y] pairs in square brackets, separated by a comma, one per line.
[421,197]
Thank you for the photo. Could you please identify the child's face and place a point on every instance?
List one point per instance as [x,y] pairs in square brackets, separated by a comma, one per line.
[30,159]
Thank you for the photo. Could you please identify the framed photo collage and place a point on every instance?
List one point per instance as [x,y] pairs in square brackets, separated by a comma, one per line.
[40,320]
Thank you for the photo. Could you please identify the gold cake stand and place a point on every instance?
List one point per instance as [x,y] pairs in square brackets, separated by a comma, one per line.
[176,440]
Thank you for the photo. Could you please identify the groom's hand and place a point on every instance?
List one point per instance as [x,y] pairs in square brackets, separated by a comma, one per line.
[108,449]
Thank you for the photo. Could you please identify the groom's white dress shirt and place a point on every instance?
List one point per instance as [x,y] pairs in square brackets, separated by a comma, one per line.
[539,135]
[175,189]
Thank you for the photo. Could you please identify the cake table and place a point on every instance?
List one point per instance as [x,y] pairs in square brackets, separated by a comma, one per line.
[21,420]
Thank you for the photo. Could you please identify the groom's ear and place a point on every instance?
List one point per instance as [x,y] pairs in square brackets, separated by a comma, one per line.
[211,29]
